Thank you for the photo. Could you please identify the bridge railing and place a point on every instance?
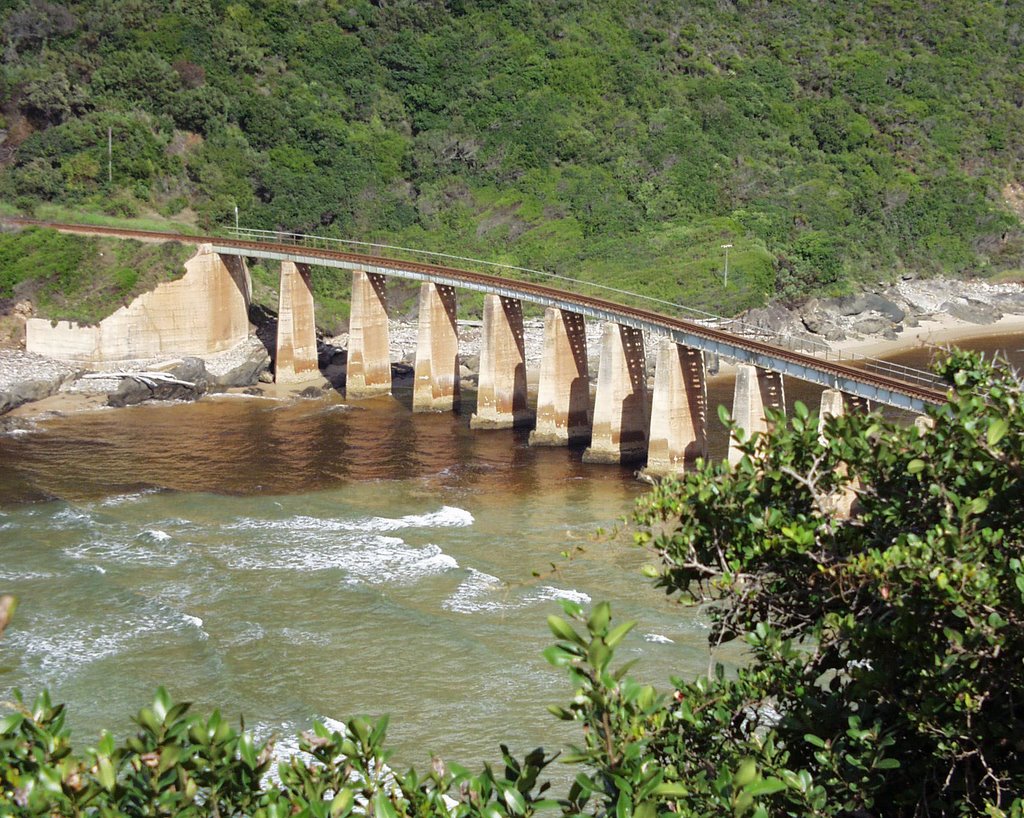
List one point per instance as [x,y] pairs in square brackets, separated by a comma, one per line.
[797,342]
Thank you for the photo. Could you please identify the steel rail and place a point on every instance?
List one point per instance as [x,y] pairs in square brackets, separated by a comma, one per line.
[880,387]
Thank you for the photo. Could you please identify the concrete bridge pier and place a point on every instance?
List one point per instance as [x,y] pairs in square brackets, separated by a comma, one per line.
[501,392]
[369,359]
[679,410]
[620,407]
[436,387]
[756,390]
[835,404]
[296,358]
[563,391]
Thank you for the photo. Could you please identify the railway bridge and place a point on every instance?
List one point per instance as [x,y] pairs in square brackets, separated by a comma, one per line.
[624,422]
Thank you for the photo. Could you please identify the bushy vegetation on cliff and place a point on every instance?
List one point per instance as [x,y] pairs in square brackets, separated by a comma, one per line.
[886,658]
[623,139]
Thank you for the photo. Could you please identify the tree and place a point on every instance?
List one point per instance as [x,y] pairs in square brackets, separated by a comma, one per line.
[887,650]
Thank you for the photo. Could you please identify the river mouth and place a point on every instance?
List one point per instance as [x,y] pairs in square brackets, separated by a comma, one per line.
[292,560]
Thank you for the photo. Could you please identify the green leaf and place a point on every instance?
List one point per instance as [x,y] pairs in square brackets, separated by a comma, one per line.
[997,430]
[514,801]
[617,633]
[766,786]
[810,738]
[8,724]
[599,618]
[915,466]
[887,764]
[563,630]
[341,803]
[670,789]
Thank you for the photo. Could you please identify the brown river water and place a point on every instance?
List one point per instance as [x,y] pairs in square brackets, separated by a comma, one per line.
[300,560]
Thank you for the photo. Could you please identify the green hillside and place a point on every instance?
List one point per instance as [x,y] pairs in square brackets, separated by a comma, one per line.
[831,143]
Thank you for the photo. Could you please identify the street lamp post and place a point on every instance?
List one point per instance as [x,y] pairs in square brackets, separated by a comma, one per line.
[725,277]
[236,218]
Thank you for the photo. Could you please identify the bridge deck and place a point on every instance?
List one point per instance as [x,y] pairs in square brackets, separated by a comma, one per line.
[875,386]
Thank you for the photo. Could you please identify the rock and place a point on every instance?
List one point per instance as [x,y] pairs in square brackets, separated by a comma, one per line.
[133,391]
[972,311]
[823,324]
[240,367]
[311,392]
[465,371]
[1012,303]
[470,362]
[774,318]
[266,376]
[868,302]
[26,377]
[873,326]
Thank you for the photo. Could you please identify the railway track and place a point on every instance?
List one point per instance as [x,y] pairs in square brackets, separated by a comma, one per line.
[838,370]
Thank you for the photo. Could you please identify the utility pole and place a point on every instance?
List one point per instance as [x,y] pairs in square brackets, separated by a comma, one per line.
[236,220]
[725,278]
[110,154]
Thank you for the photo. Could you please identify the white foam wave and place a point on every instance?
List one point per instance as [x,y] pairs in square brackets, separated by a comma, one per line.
[24,576]
[138,551]
[374,559]
[155,534]
[547,592]
[445,517]
[71,516]
[130,497]
[475,593]
[481,592]
[658,639]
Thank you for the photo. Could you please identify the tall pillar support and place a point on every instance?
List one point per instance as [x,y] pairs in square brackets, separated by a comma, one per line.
[369,358]
[620,407]
[296,358]
[563,390]
[756,390]
[679,410]
[436,388]
[501,392]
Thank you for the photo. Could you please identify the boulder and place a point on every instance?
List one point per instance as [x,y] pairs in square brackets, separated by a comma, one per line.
[244,368]
[823,324]
[873,326]
[972,311]
[869,302]
[26,377]
[192,371]
[1012,303]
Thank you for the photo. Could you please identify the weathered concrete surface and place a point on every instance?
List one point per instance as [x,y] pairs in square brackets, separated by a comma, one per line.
[436,388]
[369,358]
[205,311]
[620,407]
[756,390]
[501,391]
[296,358]
[563,391]
[679,410]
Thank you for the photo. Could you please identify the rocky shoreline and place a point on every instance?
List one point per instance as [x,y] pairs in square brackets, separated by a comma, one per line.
[871,322]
